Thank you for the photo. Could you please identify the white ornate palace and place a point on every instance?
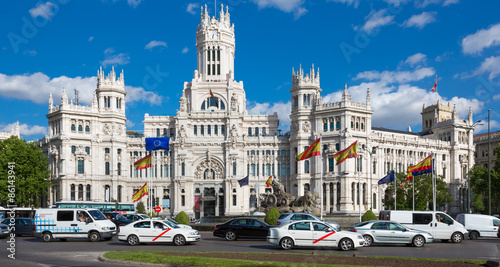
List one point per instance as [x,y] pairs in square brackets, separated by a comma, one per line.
[214,142]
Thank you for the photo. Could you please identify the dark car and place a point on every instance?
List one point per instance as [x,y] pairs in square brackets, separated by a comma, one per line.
[4,230]
[135,217]
[117,218]
[23,226]
[242,227]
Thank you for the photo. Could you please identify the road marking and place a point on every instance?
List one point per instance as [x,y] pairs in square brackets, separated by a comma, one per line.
[162,234]
[323,237]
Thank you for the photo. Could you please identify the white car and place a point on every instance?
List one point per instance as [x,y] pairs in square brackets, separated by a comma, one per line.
[155,231]
[173,222]
[313,234]
[299,216]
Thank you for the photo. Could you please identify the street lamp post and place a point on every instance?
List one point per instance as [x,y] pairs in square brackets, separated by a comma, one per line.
[371,171]
[468,163]
[489,167]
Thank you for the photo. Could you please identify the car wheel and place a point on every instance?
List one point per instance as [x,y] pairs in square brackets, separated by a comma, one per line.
[230,236]
[94,237]
[47,237]
[368,240]
[346,244]
[418,241]
[473,235]
[457,237]
[286,243]
[179,240]
[133,240]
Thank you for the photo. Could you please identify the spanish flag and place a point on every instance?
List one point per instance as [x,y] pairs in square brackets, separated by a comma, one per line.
[213,97]
[142,192]
[435,85]
[313,150]
[143,163]
[269,181]
[350,152]
[425,166]
[409,177]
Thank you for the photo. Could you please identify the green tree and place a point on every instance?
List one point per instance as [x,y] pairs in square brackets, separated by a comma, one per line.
[24,168]
[182,218]
[272,216]
[140,208]
[423,193]
[480,185]
[368,216]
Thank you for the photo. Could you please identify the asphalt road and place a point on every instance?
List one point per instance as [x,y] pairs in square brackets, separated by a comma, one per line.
[75,252]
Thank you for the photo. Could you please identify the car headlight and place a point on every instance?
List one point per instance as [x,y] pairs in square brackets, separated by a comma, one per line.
[194,233]
[105,228]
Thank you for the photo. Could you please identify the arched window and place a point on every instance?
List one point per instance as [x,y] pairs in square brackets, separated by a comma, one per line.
[256,130]
[72,191]
[73,127]
[195,129]
[307,187]
[306,166]
[157,132]
[209,129]
[80,128]
[80,192]
[73,149]
[87,129]
[202,130]
[87,193]
[249,131]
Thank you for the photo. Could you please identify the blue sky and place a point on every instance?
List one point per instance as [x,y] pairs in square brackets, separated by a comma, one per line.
[394,47]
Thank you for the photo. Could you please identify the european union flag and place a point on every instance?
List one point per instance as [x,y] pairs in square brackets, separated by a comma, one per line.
[243,181]
[387,179]
[157,143]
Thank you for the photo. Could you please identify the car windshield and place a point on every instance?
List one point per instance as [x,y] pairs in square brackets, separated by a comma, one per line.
[97,215]
[171,224]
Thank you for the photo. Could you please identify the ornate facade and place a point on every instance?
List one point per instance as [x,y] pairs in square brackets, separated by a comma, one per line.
[214,143]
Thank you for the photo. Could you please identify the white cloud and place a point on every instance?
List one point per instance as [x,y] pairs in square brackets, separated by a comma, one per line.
[185,50]
[111,59]
[42,10]
[484,38]
[390,77]
[129,123]
[424,3]
[191,8]
[283,110]
[36,87]
[490,65]
[133,3]
[154,44]
[30,52]
[288,6]
[377,19]
[396,2]
[91,38]
[354,3]
[25,129]
[419,21]
[416,59]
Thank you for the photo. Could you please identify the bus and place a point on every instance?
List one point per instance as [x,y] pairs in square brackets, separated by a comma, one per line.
[102,206]
[19,212]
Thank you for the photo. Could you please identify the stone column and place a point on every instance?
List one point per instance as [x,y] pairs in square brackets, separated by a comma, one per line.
[327,197]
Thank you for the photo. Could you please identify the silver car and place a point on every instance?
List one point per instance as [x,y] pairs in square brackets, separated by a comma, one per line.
[391,232]
[299,216]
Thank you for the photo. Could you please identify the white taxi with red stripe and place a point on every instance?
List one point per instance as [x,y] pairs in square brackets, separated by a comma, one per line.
[310,233]
[155,231]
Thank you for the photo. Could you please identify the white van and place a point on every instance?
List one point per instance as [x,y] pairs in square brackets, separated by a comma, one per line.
[73,223]
[480,225]
[438,223]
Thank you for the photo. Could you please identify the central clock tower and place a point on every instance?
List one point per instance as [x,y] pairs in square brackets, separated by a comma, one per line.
[215,45]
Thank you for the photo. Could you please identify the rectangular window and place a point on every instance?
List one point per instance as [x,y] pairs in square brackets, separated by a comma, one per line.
[223,129]
[252,169]
[268,169]
[81,168]
[234,200]
[209,129]
[106,172]
[202,130]
[330,164]
[422,218]
[195,130]
[183,200]
[213,69]
[216,130]
[234,168]
[65,216]
[218,69]
[325,127]
[208,68]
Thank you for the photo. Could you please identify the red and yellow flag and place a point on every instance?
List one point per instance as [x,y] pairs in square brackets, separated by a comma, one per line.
[213,97]
[142,192]
[313,150]
[350,152]
[211,94]
[269,181]
[143,163]
[435,85]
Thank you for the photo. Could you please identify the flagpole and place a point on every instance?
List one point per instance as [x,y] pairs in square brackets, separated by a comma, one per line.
[359,187]
[413,189]
[321,179]
[395,194]
[433,184]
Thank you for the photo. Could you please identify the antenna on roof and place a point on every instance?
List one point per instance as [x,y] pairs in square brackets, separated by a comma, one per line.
[76,96]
